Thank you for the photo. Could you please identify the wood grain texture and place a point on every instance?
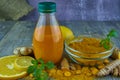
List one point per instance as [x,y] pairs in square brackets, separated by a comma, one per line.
[5,27]
[20,34]
[101,10]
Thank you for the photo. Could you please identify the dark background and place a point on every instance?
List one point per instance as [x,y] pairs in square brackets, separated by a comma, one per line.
[96,10]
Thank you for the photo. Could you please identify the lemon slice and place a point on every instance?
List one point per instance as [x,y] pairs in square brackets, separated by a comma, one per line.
[7,69]
[66,32]
[23,62]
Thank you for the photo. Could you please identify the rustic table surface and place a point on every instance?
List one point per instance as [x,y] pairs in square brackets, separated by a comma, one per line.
[19,33]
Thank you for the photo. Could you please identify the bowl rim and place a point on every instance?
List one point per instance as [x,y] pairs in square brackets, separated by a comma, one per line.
[111,49]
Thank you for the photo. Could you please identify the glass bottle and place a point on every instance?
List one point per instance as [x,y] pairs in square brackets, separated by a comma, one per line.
[47,38]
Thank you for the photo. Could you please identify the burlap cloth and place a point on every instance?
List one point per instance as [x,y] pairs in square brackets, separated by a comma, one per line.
[13,9]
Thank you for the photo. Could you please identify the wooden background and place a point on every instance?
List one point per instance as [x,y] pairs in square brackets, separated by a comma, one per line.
[19,33]
[100,10]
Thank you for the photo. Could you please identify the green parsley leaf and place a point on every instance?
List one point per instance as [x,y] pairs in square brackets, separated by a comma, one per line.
[112,33]
[31,69]
[38,69]
[106,41]
[50,65]
[41,61]
[34,62]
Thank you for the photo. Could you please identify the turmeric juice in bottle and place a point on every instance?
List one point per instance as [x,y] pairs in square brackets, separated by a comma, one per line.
[47,38]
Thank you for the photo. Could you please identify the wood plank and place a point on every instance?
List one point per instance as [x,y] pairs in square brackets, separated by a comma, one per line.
[96,27]
[5,26]
[19,35]
[78,27]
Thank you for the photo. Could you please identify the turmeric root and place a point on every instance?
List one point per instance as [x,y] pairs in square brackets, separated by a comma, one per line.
[72,66]
[107,69]
[116,54]
[119,70]
[115,72]
[65,64]
[23,51]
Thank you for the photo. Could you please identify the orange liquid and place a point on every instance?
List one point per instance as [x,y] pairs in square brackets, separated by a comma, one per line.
[48,43]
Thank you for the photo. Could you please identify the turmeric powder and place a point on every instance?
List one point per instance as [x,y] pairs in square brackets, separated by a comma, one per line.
[67,73]
[77,72]
[72,71]
[88,45]
[101,66]
[94,70]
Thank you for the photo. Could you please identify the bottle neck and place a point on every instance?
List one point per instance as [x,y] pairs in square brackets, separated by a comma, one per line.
[48,19]
[47,14]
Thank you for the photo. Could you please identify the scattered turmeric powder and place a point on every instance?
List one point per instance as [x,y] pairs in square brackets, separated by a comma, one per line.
[101,66]
[31,75]
[72,71]
[94,70]
[85,70]
[67,73]
[52,72]
[106,61]
[78,72]
[59,73]
[88,74]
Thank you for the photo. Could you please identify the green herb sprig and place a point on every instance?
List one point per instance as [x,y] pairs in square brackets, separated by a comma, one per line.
[38,69]
[106,41]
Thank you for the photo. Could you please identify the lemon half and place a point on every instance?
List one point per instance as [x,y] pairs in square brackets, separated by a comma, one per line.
[23,62]
[7,69]
[66,32]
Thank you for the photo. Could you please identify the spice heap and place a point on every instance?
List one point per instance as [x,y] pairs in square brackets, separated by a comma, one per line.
[88,45]
[72,71]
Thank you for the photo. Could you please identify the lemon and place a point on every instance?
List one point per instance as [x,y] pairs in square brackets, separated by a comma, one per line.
[7,69]
[23,62]
[66,32]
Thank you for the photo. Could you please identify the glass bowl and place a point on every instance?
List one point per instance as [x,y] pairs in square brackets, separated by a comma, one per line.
[88,59]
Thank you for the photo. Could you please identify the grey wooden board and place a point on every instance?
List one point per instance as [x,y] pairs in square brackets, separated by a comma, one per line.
[16,34]
[19,35]
[5,27]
